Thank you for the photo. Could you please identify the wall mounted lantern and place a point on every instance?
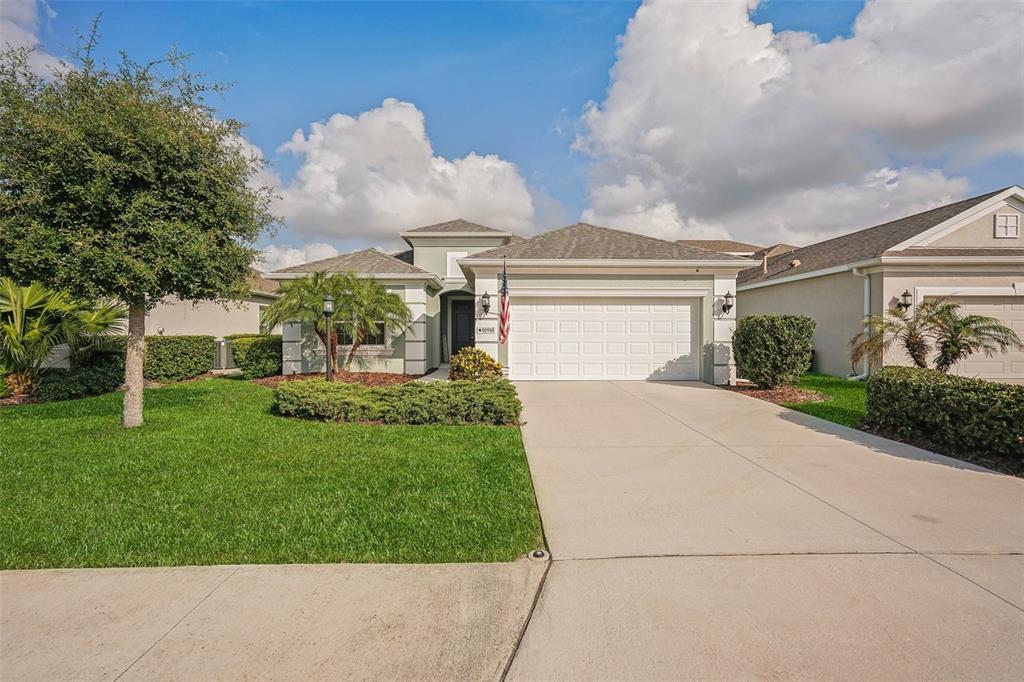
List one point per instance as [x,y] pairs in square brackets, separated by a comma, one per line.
[485,302]
[906,300]
[328,312]
[727,306]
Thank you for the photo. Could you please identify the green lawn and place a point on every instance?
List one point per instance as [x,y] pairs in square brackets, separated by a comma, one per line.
[848,403]
[214,478]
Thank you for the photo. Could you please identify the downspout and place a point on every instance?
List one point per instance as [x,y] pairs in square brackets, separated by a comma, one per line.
[858,272]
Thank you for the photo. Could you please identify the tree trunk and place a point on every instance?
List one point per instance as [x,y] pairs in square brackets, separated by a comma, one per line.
[357,341]
[133,365]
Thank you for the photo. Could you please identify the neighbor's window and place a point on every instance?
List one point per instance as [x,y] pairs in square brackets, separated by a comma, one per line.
[454,271]
[1007,226]
[375,338]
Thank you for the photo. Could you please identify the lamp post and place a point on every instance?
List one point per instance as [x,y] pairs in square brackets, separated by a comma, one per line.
[328,312]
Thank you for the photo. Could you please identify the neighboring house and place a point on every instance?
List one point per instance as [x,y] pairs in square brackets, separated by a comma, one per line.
[971,251]
[586,302]
[174,317]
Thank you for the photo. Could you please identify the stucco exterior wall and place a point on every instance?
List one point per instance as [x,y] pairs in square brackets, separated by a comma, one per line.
[179,318]
[980,233]
[431,254]
[836,302]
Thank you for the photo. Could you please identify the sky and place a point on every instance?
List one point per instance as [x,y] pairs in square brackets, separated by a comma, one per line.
[764,121]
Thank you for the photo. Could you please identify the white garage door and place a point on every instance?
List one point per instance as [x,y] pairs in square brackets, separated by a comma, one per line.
[598,338]
[1005,366]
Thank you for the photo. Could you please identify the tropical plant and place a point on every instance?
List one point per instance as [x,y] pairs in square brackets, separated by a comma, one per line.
[35,320]
[366,306]
[121,182]
[473,364]
[302,300]
[910,330]
[935,328]
[960,336]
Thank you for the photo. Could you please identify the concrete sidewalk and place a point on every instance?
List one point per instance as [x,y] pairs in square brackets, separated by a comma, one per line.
[358,621]
[697,533]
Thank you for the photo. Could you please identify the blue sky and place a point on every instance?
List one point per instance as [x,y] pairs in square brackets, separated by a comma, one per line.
[510,79]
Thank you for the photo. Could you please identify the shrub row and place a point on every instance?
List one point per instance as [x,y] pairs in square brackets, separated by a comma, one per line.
[103,373]
[773,350]
[168,358]
[952,413]
[256,355]
[491,401]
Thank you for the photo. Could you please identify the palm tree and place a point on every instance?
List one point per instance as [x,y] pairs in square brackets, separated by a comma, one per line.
[360,306]
[35,320]
[960,336]
[882,331]
[366,304]
[302,300]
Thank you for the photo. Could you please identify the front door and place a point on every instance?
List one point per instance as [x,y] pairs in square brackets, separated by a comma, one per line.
[463,322]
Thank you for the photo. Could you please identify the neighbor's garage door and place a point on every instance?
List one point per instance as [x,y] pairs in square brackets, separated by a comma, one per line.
[1004,366]
[598,338]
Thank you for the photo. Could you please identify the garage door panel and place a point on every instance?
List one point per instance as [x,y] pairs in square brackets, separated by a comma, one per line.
[1007,366]
[579,338]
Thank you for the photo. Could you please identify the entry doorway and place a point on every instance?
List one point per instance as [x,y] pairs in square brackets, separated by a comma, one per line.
[463,324]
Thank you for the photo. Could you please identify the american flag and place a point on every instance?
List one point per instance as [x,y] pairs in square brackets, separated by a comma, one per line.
[504,314]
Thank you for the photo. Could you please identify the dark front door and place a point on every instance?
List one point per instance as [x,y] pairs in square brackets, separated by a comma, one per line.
[463,320]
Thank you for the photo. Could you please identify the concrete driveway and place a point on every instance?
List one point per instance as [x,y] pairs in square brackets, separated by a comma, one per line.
[698,533]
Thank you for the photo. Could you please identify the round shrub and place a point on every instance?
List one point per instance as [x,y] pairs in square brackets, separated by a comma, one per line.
[773,350]
[473,364]
[256,355]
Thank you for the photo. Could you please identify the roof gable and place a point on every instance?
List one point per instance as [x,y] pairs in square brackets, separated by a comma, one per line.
[583,241]
[455,226]
[858,246]
[367,261]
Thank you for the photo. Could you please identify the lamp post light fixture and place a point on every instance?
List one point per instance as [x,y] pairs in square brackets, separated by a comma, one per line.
[906,300]
[485,302]
[727,305]
[328,312]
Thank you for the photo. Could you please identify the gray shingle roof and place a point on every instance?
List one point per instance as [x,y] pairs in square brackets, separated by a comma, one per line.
[459,225]
[723,245]
[367,261]
[583,241]
[857,246]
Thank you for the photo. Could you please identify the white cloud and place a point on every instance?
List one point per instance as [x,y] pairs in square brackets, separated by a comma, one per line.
[713,125]
[275,257]
[19,27]
[373,175]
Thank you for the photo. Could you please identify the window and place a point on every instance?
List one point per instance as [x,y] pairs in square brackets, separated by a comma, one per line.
[454,271]
[376,337]
[1007,226]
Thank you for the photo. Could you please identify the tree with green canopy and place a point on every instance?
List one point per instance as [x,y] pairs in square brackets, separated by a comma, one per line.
[119,182]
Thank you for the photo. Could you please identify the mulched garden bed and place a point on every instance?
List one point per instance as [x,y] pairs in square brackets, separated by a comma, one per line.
[780,394]
[1004,465]
[364,378]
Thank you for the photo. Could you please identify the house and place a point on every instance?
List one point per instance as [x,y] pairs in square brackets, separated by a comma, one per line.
[174,317]
[971,251]
[586,302]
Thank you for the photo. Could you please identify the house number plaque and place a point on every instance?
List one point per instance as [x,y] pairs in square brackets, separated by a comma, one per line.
[485,330]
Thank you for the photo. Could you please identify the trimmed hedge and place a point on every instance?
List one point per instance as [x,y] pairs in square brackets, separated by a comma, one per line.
[953,413]
[773,350]
[173,358]
[256,355]
[490,401]
[473,363]
[103,373]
